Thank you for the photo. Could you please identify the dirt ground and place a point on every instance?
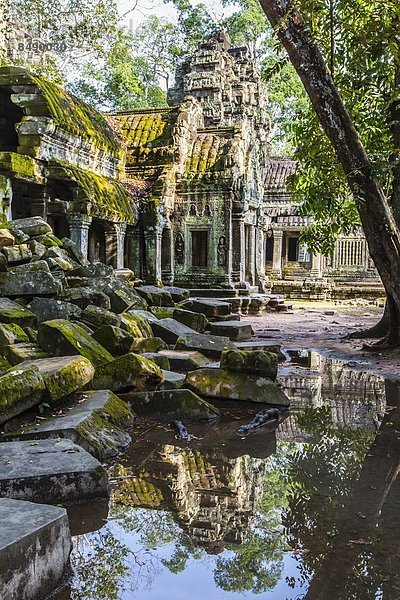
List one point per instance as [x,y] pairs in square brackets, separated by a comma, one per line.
[312,326]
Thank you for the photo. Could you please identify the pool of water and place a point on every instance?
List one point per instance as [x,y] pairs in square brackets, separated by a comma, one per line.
[308,510]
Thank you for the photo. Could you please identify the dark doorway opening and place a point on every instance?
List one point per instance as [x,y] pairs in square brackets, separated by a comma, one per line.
[269,249]
[97,243]
[200,248]
[10,115]
[293,249]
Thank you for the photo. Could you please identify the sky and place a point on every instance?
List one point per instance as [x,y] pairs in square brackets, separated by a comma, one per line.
[146,7]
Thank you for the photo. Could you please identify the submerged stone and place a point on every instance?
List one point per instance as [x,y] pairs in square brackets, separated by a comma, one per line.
[35,543]
[20,389]
[63,338]
[62,375]
[242,361]
[130,370]
[218,383]
[171,404]
[53,471]
[209,345]
[96,424]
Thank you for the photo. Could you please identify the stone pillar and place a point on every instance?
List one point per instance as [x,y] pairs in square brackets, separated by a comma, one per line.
[252,255]
[6,197]
[79,231]
[152,252]
[277,253]
[316,265]
[38,204]
[237,248]
[120,229]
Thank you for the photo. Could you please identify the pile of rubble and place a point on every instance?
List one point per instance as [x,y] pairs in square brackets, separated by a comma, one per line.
[84,343]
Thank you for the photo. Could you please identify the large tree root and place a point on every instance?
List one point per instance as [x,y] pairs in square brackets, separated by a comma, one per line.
[380,330]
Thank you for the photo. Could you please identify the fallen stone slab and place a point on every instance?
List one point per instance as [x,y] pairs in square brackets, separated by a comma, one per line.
[260,345]
[170,330]
[96,424]
[18,353]
[6,238]
[172,380]
[171,404]
[62,375]
[31,226]
[35,543]
[155,296]
[47,309]
[84,296]
[75,252]
[210,306]
[246,361]
[17,254]
[63,338]
[114,339]
[195,320]
[209,345]
[14,313]
[128,371]
[234,330]
[123,296]
[182,361]
[53,471]
[36,283]
[162,312]
[136,325]
[158,359]
[178,294]
[11,334]
[20,389]
[143,314]
[230,317]
[218,383]
[37,265]
[95,316]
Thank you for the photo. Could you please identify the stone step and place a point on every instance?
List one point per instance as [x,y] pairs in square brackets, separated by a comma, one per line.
[214,293]
[234,330]
[26,527]
[54,471]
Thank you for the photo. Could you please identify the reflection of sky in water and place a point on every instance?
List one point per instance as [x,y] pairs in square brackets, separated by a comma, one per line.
[312,513]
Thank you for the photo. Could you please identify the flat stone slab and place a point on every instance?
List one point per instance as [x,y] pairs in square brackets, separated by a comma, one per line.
[182,361]
[218,383]
[96,424]
[12,312]
[171,404]
[258,345]
[172,380]
[62,375]
[195,320]
[210,306]
[20,390]
[209,345]
[32,284]
[234,330]
[35,543]
[54,471]
[170,330]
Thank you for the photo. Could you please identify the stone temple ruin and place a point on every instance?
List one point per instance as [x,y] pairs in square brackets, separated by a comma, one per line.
[185,195]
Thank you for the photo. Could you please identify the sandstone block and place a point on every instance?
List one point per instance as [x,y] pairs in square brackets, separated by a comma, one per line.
[171,404]
[130,370]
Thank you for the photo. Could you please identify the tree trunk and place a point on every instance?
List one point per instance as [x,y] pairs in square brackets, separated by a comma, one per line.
[377,220]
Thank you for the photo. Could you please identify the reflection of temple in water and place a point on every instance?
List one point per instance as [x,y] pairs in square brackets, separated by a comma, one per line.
[357,399]
[214,497]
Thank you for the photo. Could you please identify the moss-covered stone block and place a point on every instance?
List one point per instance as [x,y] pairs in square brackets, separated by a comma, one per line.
[12,334]
[14,313]
[20,389]
[18,353]
[6,238]
[242,361]
[158,359]
[17,254]
[218,383]
[155,296]
[95,316]
[114,339]
[148,344]
[32,226]
[63,338]
[123,296]
[62,375]
[29,284]
[136,325]
[196,321]
[128,371]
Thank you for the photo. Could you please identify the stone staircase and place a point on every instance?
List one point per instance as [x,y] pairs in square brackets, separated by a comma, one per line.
[245,301]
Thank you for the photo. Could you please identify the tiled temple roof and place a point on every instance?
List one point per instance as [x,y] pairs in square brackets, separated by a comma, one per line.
[277,172]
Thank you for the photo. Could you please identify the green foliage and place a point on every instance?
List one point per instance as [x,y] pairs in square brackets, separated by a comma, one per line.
[366,72]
